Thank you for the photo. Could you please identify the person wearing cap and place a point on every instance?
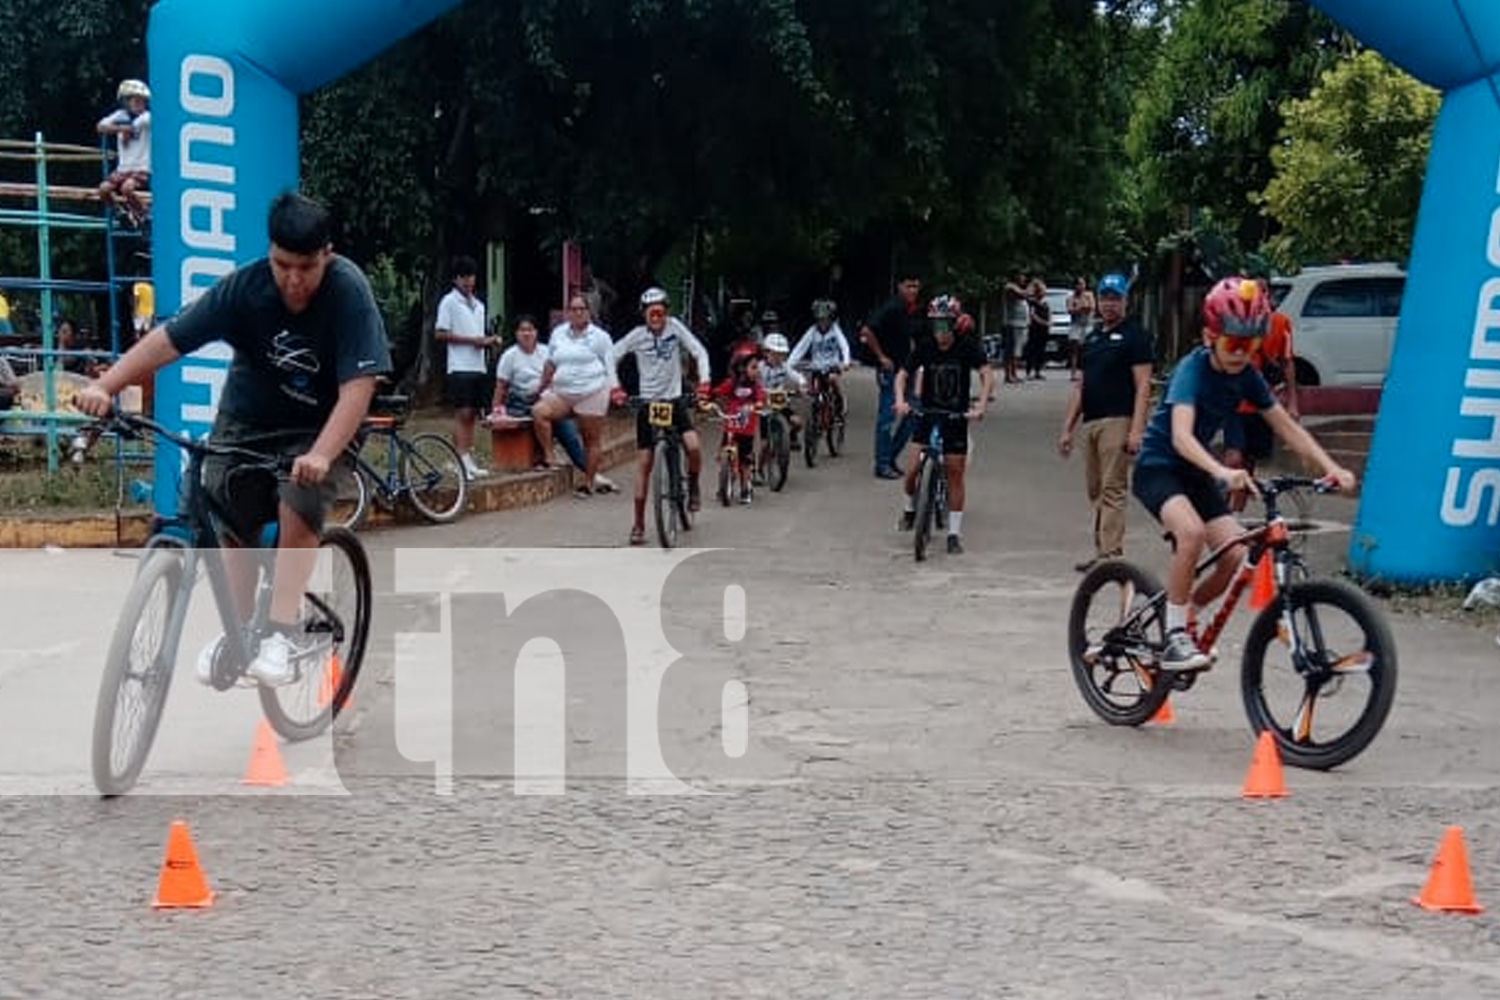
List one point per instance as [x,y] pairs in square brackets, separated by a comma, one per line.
[1109,405]
[130,124]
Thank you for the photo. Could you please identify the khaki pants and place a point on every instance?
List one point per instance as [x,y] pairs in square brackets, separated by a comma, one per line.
[1107,467]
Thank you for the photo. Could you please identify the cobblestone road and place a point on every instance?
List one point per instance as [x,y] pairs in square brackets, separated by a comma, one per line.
[925,808]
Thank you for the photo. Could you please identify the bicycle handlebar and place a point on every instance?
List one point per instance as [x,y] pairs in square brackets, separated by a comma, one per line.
[133,424]
[1284,484]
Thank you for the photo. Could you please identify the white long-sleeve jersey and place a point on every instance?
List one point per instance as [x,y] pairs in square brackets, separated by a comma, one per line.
[659,359]
[825,351]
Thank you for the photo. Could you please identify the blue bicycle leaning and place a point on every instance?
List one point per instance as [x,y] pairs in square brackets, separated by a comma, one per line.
[143,651]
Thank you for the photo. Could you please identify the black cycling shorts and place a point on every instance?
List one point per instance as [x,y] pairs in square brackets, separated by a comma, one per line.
[1154,485]
[645,434]
[250,497]
[955,431]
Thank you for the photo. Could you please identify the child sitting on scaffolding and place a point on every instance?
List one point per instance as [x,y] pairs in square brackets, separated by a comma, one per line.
[130,124]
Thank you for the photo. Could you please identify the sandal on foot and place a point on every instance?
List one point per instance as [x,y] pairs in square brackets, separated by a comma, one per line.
[638,536]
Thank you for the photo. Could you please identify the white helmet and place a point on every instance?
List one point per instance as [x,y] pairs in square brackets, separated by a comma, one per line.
[133,88]
[776,343]
[654,297]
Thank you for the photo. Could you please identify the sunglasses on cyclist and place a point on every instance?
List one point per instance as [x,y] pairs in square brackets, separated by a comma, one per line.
[1239,345]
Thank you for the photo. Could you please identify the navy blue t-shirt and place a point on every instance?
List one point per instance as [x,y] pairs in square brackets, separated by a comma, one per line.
[1212,394]
[287,368]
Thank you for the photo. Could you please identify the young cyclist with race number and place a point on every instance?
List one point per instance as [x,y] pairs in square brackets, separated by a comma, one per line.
[943,366]
[1177,477]
[658,345]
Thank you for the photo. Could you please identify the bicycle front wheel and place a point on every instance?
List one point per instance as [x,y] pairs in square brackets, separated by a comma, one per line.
[1326,704]
[336,626]
[922,523]
[137,674]
[1116,629]
[665,486]
[811,433]
[434,473]
[780,454]
[351,502]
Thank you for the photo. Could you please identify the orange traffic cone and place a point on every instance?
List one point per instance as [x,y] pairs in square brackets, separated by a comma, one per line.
[1262,583]
[329,686]
[1264,781]
[1448,886]
[1163,716]
[265,768]
[182,884]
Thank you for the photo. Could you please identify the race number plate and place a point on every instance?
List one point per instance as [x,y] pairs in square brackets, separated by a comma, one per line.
[660,414]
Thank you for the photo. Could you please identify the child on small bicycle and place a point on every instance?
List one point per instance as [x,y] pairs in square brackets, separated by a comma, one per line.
[943,366]
[778,375]
[825,349]
[741,393]
[1177,477]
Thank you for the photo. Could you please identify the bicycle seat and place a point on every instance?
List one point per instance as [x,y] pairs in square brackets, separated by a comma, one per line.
[386,403]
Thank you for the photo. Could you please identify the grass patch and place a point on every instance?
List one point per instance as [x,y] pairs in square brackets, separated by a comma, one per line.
[91,487]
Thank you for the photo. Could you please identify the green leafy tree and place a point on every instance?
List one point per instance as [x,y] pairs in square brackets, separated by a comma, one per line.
[1349,175]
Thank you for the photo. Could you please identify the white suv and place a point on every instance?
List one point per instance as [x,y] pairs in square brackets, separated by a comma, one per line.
[1343,321]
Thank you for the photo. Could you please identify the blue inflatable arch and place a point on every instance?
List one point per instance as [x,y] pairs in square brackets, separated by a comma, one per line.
[225,78]
[1431,498]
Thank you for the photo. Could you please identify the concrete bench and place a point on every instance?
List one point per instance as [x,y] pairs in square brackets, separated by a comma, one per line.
[513,445]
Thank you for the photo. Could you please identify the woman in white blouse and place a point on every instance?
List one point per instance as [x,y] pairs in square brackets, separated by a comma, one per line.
[518,382]
[575,381]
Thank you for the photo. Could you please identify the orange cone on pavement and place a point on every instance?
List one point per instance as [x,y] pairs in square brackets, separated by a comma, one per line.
[1448,887]
[1262,583]
[329,686]
[182,884]
[1163,716]
[265,769]
[1264,780]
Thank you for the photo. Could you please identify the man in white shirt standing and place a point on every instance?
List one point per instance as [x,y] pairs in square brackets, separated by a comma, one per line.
[460,325]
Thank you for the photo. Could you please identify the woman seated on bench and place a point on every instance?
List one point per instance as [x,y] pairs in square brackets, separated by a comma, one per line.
[575,382]
[518,379]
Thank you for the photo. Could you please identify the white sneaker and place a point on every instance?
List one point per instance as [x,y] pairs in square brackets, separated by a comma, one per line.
[604,484]
[472,469]
[206,662]
[274,665]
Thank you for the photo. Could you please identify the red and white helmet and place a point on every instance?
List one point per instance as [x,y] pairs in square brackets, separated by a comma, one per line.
[1236,307]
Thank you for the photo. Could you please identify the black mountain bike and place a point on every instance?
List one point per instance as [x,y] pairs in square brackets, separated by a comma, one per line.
[1319,668]
[932,483]
[669,471]
[775,453]
[825,418]
[143,651]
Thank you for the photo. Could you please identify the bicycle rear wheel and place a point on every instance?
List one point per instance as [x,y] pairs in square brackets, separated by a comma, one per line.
[922,524]
[434,473]
[1328,714]
[1114,663]
[665,485]
[336,626]
[142,654]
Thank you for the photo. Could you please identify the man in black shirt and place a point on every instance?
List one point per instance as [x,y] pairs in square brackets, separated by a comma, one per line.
[1111,401]
[308,344]
[889,334]
[943,365]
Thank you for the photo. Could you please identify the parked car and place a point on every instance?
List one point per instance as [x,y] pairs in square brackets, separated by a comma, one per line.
[1057,337]
[1343,321]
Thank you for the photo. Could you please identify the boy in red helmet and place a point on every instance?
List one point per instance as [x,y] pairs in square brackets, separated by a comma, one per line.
[1178,478]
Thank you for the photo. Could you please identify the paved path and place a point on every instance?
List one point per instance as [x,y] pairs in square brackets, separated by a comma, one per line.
[924,807]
